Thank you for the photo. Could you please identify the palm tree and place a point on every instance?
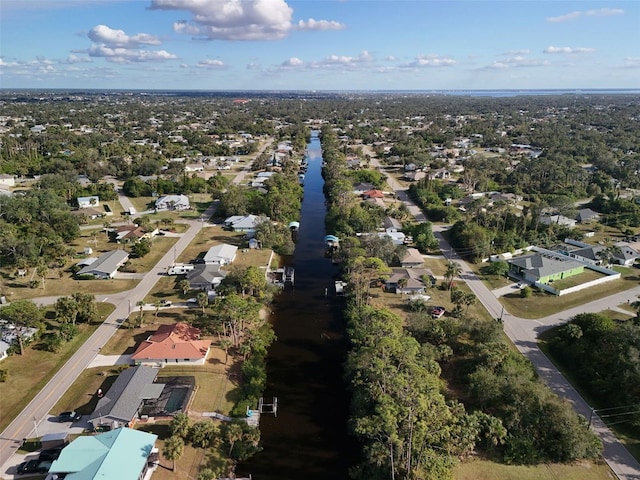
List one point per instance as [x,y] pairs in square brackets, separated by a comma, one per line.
[173,450]
[608,255]
[157,306]
[225,344]
[453,270]
[141,304]
[185,286]
[203,300]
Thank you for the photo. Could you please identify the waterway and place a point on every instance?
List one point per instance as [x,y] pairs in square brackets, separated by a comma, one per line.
[308,438]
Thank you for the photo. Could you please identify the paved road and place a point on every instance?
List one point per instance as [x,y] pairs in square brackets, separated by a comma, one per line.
[524,332]
[38,409]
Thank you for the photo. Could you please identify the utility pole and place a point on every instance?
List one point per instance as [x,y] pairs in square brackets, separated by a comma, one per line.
[35,426]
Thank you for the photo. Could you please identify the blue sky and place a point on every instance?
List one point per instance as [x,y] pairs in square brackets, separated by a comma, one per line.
[319,44]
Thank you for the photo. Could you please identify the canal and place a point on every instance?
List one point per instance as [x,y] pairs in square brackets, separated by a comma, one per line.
[308,438]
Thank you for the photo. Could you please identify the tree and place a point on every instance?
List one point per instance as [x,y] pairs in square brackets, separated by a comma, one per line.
[185,286]
[468,299]
[180,425]
[141,248]
[42,271]
[203,300]
[498,269]
[157,306]
[23,314]
[202,434]
[141,304]
[453,270]
[173,449]
[66,310]
[225,344]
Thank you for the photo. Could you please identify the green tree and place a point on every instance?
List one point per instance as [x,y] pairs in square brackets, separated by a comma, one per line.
[453,270]
[203,300]
[173,449]
[203,433]
[180,425]
[185,286]
[23,314]
[141,304]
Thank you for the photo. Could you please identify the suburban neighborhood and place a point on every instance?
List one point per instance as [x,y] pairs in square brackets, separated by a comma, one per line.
[474,239]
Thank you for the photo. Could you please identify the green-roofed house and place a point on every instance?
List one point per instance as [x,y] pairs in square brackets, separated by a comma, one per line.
[121,454]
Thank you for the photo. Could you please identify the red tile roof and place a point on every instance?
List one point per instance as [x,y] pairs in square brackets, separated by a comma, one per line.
[179,341]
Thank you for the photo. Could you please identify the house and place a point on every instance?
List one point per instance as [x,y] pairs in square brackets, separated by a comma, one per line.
[396,237]
[106,265]
[7,180]
[173,202]
[393,223]
[624,254]
[360,188]
[407,280]
[132,233]
[373,193]
[544,268]
[123,453]
[223,254]
[414,176]
[587,215]
[123,401]
[243,223]
[88,202]
[558,220]
[4,349]
[205,277]
[173,344]
[412,258]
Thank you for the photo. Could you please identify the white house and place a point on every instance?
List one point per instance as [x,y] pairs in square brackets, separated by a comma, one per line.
[88,202]
[173,202]
[106,265]
[243,223]
[7,180]
[223,254]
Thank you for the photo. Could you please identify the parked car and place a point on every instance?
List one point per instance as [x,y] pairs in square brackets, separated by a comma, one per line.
[34,466]
[71,416]
[50,454]
[437,312]
[166,303]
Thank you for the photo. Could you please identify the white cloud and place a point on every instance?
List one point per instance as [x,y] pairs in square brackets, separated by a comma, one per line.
[426,61]
[254,66]
[125,55]
[601,12]
[364,57]
[232,19]
[118,38]
[517,52]
[312,24]
[568,50]
[517,61]
[72,58]
[213,64]
[632,62]
[390,58]
[293,62]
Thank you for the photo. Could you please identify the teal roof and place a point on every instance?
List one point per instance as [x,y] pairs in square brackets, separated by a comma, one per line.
[119,454]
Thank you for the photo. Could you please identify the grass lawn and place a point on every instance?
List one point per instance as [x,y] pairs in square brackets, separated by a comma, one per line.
[161,245]
[541,304]
[19,389]
[476,469]
[587,276]
[492,281]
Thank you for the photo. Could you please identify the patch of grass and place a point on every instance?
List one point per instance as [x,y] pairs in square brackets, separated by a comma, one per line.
[82,396]
[587,276]
[41,365]
[19,289]
[542,304]
[477,469]
[492,281]
[160,247]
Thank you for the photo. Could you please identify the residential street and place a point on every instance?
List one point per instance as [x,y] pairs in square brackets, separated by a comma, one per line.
[524,332]
[25,425]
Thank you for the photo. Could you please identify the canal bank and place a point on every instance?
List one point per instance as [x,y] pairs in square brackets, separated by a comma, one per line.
[308,438]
